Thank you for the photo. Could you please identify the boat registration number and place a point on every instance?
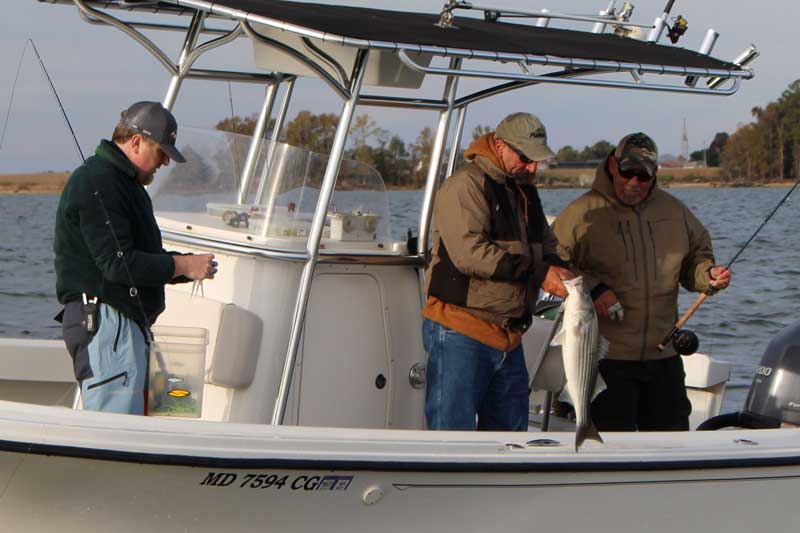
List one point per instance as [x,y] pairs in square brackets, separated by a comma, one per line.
[305,482]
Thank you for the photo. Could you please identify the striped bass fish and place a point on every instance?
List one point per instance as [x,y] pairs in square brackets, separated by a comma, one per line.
[582,349]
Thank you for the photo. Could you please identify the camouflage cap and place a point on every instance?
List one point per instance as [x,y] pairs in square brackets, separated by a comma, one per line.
[637,152]
[527,134]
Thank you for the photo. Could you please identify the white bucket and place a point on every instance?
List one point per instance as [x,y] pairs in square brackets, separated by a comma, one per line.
[177,371]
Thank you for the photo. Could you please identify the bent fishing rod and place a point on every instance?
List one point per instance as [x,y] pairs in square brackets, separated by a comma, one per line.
[133,291]
[711,290]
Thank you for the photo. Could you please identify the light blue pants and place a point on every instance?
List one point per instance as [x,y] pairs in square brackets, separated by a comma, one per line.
[118,357]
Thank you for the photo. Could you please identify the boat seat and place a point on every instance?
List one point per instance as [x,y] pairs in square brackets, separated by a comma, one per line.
[545,365]
[234,336]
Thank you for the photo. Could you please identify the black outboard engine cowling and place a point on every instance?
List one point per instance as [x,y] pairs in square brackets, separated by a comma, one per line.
[775,392]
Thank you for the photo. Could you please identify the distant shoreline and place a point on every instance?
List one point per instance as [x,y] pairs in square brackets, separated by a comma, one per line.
[53,182]
[39,183]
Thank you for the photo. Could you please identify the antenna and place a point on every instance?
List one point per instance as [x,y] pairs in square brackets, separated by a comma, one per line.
[685,144]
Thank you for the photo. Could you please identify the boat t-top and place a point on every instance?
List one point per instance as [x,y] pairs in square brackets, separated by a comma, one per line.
[291,387]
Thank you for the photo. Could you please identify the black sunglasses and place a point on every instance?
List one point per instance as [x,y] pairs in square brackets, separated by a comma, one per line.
[631,173]
[522,157]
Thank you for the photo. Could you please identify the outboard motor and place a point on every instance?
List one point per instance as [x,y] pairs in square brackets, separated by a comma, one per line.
[774,396]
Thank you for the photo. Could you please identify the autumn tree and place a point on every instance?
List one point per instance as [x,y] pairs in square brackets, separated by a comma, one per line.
[568,154]
[767,148]
[421,155]
[239,125]
[312,132]
[715,149]
[598,150]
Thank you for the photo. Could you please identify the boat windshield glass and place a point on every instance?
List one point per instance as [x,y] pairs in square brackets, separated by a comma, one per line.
[201,196]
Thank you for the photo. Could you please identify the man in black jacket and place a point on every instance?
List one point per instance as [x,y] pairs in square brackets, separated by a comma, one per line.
[110,265]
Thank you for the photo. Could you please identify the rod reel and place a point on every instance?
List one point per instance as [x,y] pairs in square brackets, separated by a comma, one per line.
[685,342]
[678,29]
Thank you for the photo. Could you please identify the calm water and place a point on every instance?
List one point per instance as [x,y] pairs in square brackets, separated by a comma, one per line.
[734,326]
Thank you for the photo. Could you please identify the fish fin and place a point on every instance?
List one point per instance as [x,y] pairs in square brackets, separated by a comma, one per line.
[599,386]
[589,431]
[559,337]
[602,348]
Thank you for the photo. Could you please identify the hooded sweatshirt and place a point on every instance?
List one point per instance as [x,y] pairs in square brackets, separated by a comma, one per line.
[642,253]
[491,250]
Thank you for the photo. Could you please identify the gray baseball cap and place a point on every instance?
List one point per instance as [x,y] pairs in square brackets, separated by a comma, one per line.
[527,134]
[155,122]
[637,152]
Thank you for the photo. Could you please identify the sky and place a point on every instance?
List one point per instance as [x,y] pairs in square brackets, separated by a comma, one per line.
[98,71]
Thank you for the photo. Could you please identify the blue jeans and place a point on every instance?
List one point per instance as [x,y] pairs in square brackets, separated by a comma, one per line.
[471,385]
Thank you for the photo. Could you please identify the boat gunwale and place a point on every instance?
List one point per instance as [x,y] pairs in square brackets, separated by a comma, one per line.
[379,465]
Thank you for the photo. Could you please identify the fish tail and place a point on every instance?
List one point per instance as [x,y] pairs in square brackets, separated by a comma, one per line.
[586,431]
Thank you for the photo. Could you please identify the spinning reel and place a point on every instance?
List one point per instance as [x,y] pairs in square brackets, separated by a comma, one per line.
[685,342]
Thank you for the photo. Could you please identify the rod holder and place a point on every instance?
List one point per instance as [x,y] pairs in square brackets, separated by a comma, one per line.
[658,29]
[599,27]
[742,60]
[705,48]
[660,23]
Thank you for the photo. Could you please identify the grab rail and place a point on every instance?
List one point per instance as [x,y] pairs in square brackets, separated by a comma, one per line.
[682,71]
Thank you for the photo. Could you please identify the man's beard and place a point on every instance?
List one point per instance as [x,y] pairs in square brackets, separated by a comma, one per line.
[522,175]
[147,179]
[631,198]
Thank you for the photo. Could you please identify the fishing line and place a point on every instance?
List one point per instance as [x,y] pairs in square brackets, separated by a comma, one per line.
[753,236]
[13,90]
[710,291]
[58,100]
[133,291]
[235,133]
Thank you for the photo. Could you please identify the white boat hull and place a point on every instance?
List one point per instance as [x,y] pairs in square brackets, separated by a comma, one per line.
[77,471]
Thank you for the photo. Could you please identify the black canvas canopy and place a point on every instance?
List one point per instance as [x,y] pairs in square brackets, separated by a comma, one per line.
[474,34]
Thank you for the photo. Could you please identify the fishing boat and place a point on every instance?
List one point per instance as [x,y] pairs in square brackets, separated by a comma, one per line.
[292,386]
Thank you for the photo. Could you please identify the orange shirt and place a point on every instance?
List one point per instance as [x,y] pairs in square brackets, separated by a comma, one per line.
[457,319]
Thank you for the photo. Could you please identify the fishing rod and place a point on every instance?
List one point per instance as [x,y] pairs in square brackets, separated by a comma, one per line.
[133,291]
[685,339]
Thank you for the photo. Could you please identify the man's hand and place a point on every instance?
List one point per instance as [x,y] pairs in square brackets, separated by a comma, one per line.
[720,277]
[608,306]
[553,281]
[196,267]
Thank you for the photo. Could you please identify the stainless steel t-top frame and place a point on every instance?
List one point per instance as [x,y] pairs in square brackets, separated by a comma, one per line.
[312,245]
[348,86]
[495,12]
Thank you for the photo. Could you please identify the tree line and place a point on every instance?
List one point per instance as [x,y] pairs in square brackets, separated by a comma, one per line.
[766,149]
[399,164]
[769,147]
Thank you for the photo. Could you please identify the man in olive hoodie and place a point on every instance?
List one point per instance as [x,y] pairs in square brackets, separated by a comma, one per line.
[492,249]
[634,243]
[110,266]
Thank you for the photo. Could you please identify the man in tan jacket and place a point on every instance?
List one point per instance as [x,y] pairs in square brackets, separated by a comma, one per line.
[634,244]
[492,249]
